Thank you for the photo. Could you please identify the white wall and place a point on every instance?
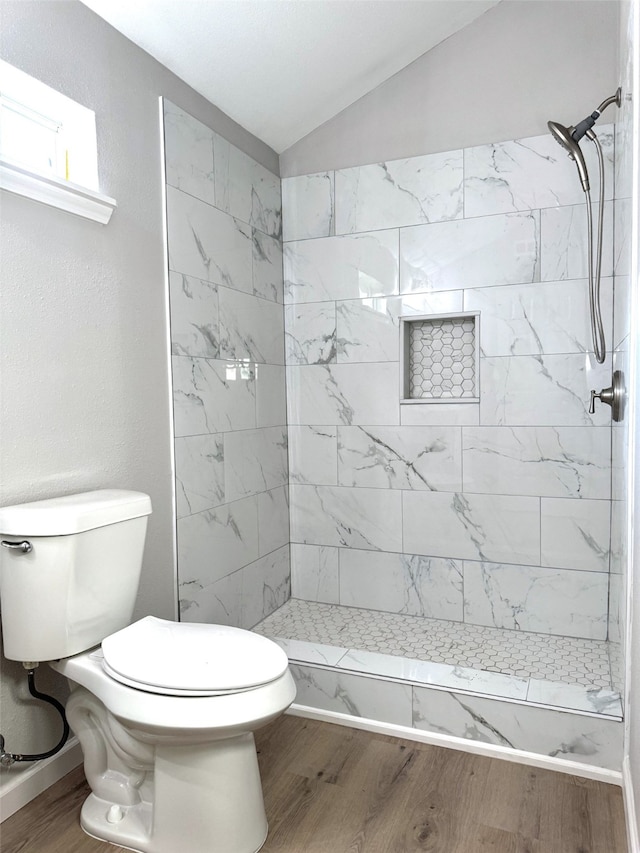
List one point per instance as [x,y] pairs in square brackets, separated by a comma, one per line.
[85,387]
[502,77]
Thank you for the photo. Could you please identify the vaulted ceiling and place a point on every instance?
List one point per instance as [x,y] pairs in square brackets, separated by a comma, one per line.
[281,68]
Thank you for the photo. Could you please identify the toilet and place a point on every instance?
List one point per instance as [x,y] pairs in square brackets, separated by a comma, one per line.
[164,711]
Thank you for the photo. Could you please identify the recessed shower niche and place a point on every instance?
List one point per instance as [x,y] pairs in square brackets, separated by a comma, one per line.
[439,358]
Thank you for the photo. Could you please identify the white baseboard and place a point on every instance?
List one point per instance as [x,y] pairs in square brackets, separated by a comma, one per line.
[630,813]
[27,783]
[504,753]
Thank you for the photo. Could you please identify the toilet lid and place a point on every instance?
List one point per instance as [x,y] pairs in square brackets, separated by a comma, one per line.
[187,658]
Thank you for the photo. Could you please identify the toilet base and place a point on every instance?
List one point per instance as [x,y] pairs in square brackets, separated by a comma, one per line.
[134,831]
[161,797]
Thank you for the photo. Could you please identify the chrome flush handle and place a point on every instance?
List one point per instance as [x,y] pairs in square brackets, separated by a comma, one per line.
[23,547]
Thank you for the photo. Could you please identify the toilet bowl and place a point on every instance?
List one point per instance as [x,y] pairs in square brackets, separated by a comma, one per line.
[164,711]
[168,748]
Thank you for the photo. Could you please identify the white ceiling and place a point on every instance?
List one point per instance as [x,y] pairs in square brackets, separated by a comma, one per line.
[281,68]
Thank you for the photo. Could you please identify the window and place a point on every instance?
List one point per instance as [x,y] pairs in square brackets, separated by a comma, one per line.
[48,148]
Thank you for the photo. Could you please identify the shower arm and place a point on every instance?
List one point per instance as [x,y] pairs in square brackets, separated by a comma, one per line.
[612,99]
[583,127]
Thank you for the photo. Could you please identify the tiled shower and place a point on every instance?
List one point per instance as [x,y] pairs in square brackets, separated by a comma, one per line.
[429,559]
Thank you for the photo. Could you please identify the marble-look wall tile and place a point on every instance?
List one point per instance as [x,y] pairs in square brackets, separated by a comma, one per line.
[300,650]
[563,234]
[194,316]
[427,458]
[622,311]
[188,148]
[254,461]
[266,585]
[532,598]
[401,583]
[246,190]
[551,461]
[399,193]
[348,267]
[549,390]
[250,328]
[619,544]
[445,675]
[271,399]
[268,280]
[483,252]
[596,700]
[308,206]
[226,295]
[443,414]
[575,534]
[620,439]
[212,396]
[273,519]
[616,610]
[622,235]
[313,455]
[356,518]
[310,333]
[529,173]
[199,473]
[352,694]
[473,527]
[218,603]
[216,542]
[344,394]
[624,132]
[315,573]
[369,329]
[576,737]
[533,319]
[208,244]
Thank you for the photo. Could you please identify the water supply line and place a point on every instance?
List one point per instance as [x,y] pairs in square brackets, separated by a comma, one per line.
[9,758]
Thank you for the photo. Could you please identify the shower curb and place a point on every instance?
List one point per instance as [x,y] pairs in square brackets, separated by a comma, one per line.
[503,753]
[466,720]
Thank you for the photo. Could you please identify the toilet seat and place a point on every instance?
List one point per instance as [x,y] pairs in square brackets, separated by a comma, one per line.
[191,659]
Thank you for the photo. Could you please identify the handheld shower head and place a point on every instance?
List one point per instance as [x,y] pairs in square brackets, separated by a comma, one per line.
[564,136]
[569,137]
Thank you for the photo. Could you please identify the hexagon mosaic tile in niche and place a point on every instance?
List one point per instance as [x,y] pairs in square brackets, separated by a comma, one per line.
[442,358]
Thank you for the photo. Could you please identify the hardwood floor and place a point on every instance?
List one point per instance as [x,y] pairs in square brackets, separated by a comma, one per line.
[330,789]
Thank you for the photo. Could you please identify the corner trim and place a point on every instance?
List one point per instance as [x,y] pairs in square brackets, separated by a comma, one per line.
[26,786]
[55,192]
[630,814]
[503,753]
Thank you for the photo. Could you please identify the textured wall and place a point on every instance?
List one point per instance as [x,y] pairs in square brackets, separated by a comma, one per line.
[495,513]
[85,368]
[502,77]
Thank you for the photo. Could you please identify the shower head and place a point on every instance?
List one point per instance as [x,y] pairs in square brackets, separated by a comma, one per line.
[569,137]
[565,137]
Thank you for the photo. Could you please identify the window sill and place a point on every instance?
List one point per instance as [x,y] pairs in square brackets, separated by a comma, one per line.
[57,193]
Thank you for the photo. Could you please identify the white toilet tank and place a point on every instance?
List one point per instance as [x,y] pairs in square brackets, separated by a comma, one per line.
[76,580]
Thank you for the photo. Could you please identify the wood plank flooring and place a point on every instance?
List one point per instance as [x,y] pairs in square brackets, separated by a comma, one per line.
[330,789]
